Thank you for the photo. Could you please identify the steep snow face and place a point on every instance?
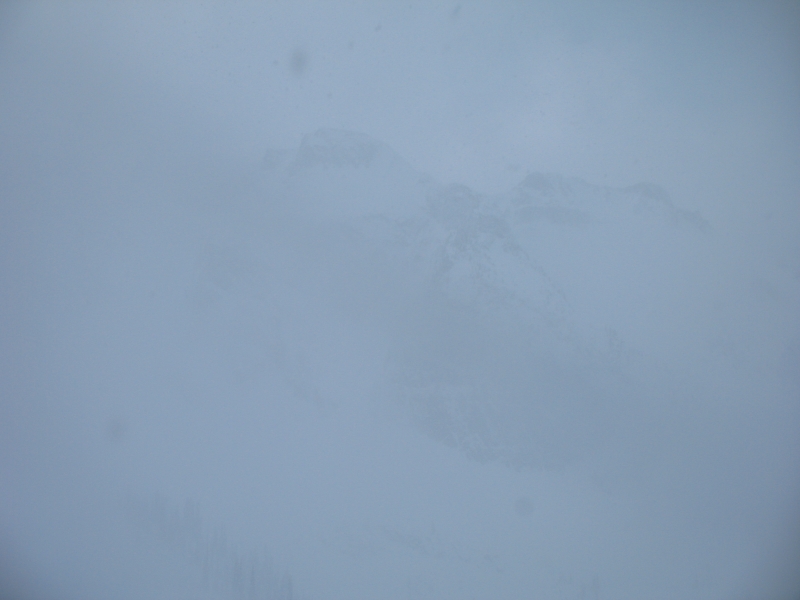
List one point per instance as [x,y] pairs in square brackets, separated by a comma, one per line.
[555,328]
[486,359]
[498,344]
[475,259]
[627,259]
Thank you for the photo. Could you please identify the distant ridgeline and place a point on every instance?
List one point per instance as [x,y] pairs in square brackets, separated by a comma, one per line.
[498,353]
[546,196]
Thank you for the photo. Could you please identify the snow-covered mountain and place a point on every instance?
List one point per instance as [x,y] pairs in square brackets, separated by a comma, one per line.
[385,340]
[336,377]
[494,346]
[480,250]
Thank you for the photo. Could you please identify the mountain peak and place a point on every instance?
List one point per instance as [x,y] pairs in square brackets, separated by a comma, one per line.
[341,148]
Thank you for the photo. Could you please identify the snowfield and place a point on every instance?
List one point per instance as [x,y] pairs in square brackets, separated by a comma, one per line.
[338,378]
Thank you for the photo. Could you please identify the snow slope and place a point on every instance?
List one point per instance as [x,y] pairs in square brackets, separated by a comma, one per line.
[338,378]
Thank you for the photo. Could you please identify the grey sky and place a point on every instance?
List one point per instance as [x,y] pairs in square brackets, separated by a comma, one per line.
[188,337]
[616,93]
[700,98]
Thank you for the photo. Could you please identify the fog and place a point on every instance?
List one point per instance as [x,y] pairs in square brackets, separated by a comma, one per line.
[322,301]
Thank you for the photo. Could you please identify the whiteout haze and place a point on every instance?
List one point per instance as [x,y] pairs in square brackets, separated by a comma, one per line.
[344,300]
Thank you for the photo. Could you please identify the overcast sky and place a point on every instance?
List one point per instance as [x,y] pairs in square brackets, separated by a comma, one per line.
[127,130]
[698,97]
[685,94]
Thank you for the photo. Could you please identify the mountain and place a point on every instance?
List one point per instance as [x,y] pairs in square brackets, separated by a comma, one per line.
[491,348]
[338,174]
[336,377]
[421,389]
[572,201]
[334,148]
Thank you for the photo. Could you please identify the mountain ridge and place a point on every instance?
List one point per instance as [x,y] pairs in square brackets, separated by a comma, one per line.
[482,288]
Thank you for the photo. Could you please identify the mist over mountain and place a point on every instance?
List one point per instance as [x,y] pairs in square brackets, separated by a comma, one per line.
[399,301]
[351,379]
[423,385]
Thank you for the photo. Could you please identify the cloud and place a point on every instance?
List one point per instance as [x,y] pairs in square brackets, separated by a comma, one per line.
[318,346]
